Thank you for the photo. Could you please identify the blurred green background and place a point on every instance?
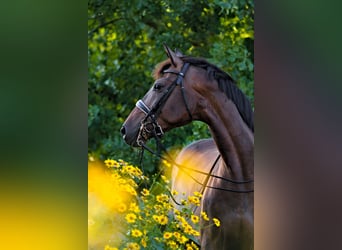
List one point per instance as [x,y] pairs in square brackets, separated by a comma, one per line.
[125,43]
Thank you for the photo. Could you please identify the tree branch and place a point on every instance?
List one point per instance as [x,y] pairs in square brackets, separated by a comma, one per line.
[103,25]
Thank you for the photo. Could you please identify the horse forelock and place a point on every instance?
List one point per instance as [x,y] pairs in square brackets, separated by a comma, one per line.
[159,68]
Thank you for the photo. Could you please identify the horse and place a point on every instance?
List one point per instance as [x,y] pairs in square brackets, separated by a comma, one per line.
[187,89]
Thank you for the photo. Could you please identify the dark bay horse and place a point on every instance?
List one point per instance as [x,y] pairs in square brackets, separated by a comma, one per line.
[187,89]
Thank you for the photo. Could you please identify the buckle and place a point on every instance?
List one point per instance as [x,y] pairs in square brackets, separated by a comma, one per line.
[158,130]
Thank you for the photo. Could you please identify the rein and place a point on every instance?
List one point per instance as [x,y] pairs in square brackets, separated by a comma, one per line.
[186,169]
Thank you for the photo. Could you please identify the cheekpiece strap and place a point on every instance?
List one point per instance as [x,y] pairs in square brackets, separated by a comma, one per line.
[182,74]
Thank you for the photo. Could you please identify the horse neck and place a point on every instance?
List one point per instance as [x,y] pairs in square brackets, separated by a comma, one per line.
[233,138]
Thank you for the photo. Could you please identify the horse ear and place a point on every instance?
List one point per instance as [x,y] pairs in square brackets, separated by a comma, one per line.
[170,54]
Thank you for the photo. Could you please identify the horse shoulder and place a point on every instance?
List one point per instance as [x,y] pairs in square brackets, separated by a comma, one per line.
[197,156]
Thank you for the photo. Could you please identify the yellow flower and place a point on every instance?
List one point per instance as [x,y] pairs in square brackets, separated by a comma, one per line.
[122,181]
[177,235]
[145,192]
[111,163]
[183,202]
[194,246]
[217,222]
[167,235]
[157,207]
[188,247]
[194,218]
[188,229]
[122,207]
[137,172]
[134,207]
[136,233]
[195,233]
[172,244]
[162,219]
[174,192]
[198,194]
[205,216]
[132,183]
[130,190]
[167,206]
[181,219]
[143,243]
[162,198]
[133,246]
[183,239]
[156,218]
[116,177]
[130,218]
[128,169]
[194,200]
[176,211]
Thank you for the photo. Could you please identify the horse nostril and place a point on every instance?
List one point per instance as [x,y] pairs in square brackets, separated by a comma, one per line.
[123,130]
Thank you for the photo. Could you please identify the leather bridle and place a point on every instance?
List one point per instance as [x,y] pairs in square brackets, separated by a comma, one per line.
[149,125]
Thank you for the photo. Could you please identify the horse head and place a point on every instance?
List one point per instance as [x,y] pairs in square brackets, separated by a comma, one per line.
[169,103]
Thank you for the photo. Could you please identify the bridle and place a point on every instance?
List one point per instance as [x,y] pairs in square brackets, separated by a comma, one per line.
[149,125]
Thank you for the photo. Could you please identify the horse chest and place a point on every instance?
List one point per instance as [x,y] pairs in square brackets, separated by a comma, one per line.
[236,217]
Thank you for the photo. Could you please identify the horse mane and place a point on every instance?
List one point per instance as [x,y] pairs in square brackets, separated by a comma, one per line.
[225,83]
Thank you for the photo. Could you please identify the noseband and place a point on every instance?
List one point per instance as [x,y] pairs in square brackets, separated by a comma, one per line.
[149,124]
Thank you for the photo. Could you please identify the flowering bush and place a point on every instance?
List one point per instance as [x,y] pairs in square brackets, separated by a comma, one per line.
[147,218]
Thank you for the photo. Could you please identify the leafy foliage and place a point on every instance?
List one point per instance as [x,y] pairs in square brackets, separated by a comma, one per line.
[125,43]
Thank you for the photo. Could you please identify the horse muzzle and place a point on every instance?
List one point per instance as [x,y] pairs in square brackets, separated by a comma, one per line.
[129,138]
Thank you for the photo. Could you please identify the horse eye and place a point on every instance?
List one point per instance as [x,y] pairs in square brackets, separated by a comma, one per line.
[157,86]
